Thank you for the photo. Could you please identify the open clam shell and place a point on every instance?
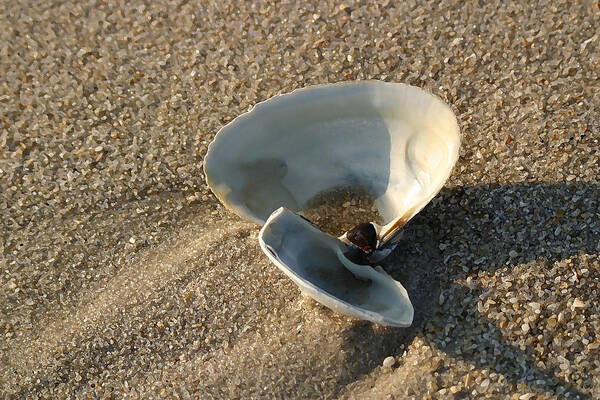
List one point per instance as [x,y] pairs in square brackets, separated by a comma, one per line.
[393,140]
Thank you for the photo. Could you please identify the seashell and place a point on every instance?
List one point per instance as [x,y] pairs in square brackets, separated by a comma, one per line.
[396,141]
[317,263]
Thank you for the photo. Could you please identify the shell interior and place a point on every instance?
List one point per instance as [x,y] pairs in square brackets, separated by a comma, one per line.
[396,141]
[315,261]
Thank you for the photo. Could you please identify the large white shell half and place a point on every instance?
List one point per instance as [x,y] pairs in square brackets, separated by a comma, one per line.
[315,261]
[396,141]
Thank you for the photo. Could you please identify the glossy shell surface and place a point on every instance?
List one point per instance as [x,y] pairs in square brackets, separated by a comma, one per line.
[315,261]
[394,140]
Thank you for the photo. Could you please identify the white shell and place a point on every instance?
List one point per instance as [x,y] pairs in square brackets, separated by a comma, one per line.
[397,141]
[394,140]
[315,261]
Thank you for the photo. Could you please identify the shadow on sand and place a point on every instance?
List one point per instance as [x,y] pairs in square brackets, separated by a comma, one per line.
[481,223]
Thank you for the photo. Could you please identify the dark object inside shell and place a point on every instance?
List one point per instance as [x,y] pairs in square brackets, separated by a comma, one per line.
[357,256]
[363,236]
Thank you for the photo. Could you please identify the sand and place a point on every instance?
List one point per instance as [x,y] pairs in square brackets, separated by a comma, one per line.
[122,276]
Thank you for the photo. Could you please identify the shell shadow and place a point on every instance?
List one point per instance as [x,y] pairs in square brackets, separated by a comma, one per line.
[480,229]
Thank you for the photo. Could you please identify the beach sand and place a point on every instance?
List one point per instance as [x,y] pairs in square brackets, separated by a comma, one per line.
[122,276]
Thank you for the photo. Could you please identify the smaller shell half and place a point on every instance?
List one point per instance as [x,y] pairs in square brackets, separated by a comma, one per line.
[315,261]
